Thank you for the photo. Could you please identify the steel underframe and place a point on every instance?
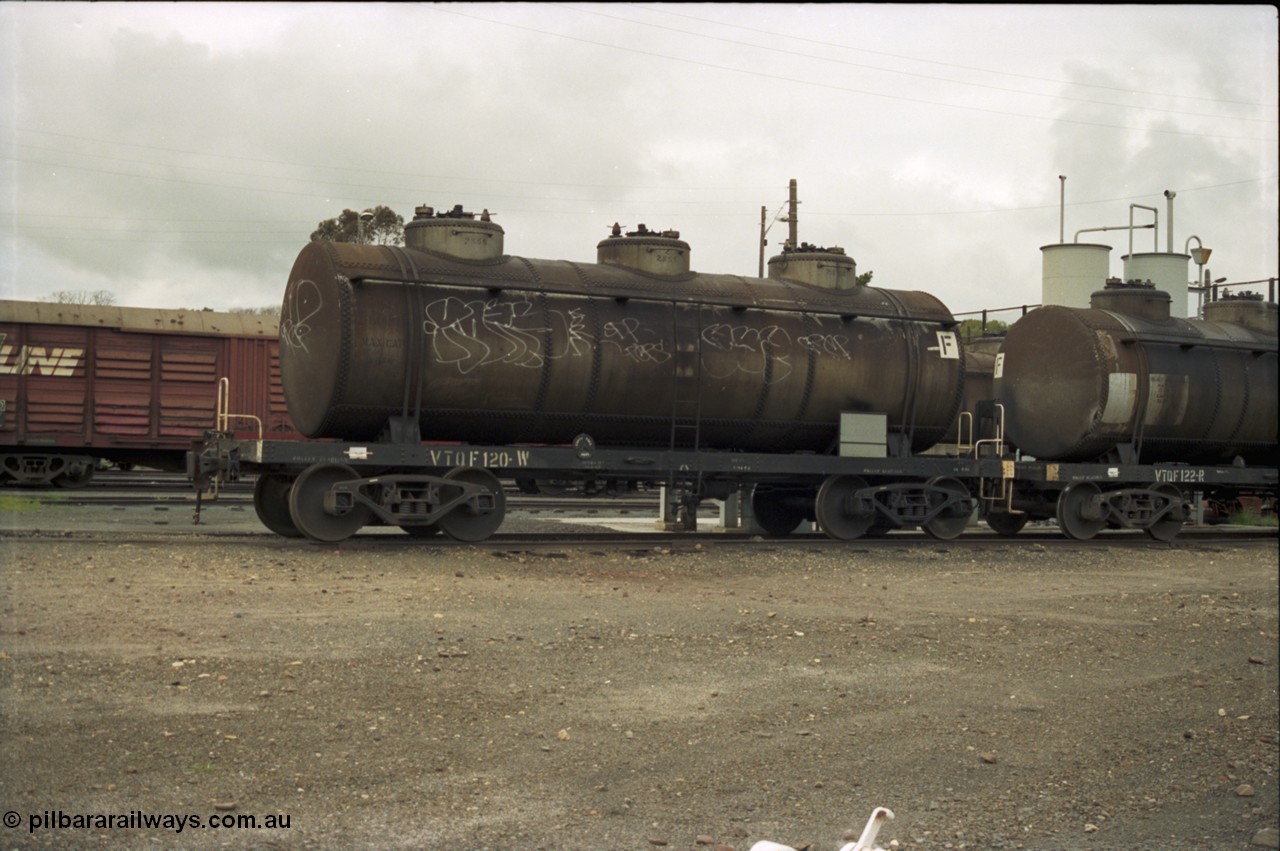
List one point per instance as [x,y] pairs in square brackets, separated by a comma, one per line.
[231,456]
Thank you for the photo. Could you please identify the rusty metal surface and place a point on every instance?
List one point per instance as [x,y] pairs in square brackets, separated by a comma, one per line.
[131,385]
[142,319]
[521,350]
[1075,383]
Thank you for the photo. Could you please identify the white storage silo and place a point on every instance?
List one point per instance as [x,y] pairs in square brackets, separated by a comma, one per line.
[1072,272]
[1167,271]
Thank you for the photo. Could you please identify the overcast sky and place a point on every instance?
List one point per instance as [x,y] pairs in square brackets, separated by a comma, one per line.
[179,155]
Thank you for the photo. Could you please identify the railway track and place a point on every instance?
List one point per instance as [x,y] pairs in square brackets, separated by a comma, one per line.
[241,494]
[171,492]
[134,488]
[656,542]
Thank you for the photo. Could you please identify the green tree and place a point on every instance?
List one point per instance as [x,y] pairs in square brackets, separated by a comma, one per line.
[381,227]
[864,279]
[101,298]
[971,329]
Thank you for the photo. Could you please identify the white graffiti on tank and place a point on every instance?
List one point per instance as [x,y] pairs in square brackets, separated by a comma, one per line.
[301,302]
[833,345]
[459,329]
[472,333]
[630,338]
[760,351]
[469,334]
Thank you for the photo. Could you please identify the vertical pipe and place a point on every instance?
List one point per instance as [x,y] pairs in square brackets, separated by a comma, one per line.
[1155,226]
[1169,194]
[1062,208]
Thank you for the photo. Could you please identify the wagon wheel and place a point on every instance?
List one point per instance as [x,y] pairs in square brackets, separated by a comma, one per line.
[1006,524]
[838,518]
[469,522]
[947,526]
[775,510]
[78,474]
[1080,513]
[271,503]
[306,504]
[1168,527]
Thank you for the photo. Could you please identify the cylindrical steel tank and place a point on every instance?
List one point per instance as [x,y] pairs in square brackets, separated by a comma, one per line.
[518,350]
[1072,271]
[1078,383]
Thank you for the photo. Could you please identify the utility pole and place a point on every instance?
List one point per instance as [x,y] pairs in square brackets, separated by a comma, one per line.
[793,218]
[764,212]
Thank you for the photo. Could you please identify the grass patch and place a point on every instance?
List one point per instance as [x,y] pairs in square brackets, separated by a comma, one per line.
[1252,518]
[10,502]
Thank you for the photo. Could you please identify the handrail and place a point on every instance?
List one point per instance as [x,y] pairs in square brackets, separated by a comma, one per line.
[223,418]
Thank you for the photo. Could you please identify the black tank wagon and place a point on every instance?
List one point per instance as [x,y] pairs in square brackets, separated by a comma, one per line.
[486,347]
[429,374]
[1123,384]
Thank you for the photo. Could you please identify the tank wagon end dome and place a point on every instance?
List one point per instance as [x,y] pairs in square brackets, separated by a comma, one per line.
[828,268]
[660,253]
[1248,309]
[1133,298]
[455,233]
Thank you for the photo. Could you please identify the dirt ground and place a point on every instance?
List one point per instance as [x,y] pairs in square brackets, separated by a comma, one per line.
[992,694]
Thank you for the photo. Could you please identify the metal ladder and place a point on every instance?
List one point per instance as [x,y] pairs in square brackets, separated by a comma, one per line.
[686,405]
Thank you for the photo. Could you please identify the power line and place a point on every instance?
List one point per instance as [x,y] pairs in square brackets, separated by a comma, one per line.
[1047,206]
[387,172]
[1125,89]
[731,214]
[882,69]
[847,89]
